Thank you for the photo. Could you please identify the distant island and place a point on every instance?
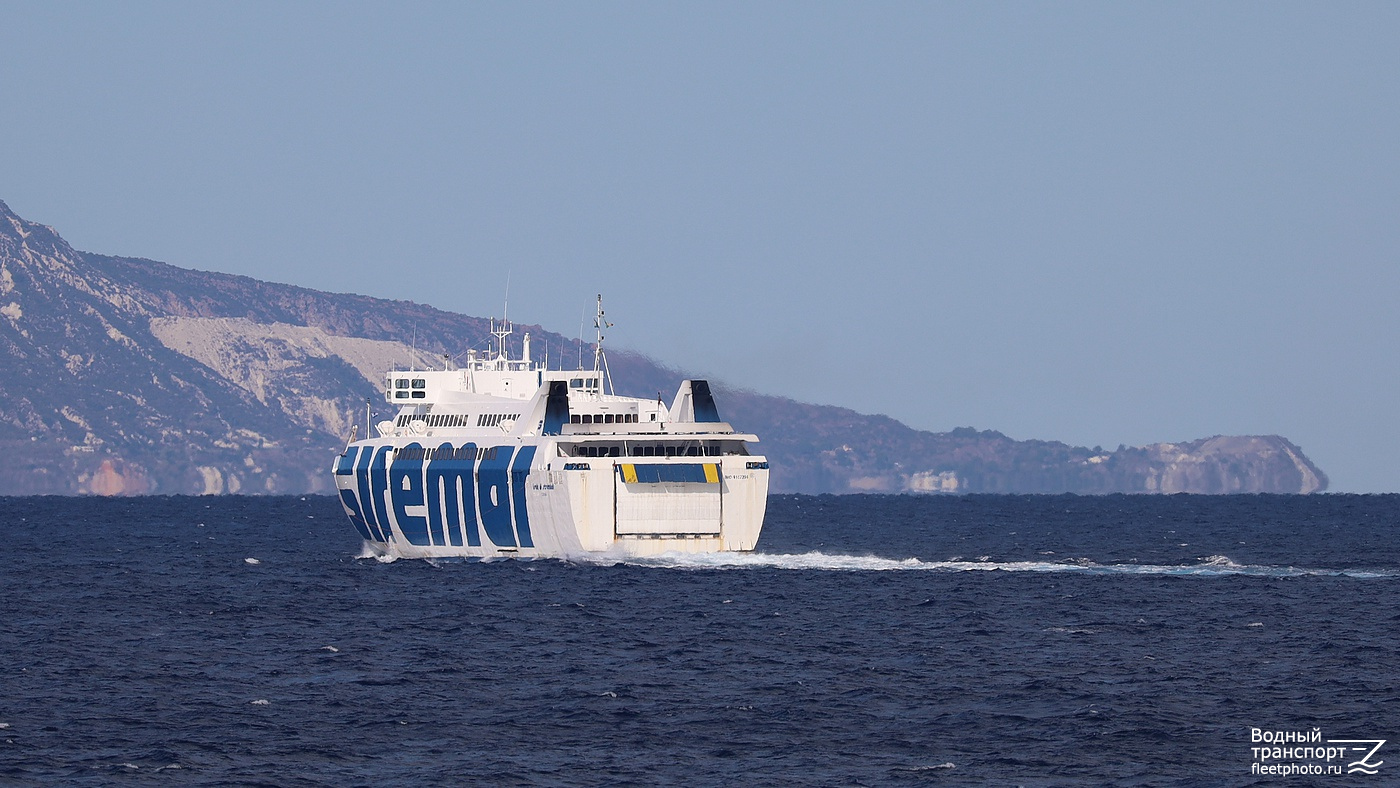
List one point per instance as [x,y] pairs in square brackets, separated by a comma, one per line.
[128,376]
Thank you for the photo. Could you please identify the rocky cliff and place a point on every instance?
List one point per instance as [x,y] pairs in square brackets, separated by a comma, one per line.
[826,449]
[128,376]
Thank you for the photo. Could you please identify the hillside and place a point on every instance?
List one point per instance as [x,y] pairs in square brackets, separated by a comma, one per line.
[130,376]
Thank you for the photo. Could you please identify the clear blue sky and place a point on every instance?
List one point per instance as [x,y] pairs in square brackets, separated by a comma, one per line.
[1098,223]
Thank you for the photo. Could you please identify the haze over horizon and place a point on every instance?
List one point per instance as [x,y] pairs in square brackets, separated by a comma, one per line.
[1098,224]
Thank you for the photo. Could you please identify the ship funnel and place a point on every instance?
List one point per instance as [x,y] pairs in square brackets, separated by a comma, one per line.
[694,403]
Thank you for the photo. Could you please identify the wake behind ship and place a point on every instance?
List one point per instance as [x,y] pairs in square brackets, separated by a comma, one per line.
[504,457]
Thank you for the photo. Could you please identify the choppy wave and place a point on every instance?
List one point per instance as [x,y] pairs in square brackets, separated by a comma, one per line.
[1210,566]
[710,670]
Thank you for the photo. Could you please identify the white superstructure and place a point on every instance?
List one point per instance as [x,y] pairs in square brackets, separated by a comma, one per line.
[503,456]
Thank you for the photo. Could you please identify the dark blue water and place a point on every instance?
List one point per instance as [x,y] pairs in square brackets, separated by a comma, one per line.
[873,640]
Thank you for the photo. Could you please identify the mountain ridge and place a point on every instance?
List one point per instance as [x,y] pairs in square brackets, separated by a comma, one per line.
[133,376]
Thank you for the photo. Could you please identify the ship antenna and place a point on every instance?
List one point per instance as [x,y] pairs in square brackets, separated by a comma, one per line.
[598,329]
[505,310]
[582,316]
[504,329]
[600,361]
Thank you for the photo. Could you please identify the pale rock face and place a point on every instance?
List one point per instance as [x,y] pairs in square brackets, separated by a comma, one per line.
[118,478]
[212,342]
[1312,482]
[213,480]
[1229,464]
[107,481]
[266,359]
[932,482]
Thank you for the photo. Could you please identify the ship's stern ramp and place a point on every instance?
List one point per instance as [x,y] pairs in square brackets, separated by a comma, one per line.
[669,499]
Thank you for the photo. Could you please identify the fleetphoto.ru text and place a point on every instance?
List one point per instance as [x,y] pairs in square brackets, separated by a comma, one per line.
[1287,753]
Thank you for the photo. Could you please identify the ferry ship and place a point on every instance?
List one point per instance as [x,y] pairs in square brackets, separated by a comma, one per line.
[505,457]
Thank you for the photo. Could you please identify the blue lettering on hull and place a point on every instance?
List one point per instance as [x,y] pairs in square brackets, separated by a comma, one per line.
[406,489]
[345,466]
[493,498]
[519,471]
[378,486]
[451,495]
[366,498]
[439,496]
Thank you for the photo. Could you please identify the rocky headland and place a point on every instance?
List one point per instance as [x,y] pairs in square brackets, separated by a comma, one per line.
[127,376]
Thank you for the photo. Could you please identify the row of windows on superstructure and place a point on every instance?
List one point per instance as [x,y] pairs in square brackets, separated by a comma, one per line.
[449,453]
[457,419]
[604,418]
[416,388]
[707,450]
[410,388]
[493,419]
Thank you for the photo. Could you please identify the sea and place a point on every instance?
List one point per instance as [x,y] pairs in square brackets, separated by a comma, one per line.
[869,640]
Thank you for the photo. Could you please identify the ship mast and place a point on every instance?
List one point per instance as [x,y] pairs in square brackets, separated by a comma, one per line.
[501,330]
[600,361]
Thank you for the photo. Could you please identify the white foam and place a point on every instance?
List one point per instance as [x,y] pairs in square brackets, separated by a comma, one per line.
[368,550]
[1210,566]
[931,768]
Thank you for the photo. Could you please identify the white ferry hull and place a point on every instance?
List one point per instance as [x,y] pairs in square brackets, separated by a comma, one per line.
[506,457]
[439,498]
